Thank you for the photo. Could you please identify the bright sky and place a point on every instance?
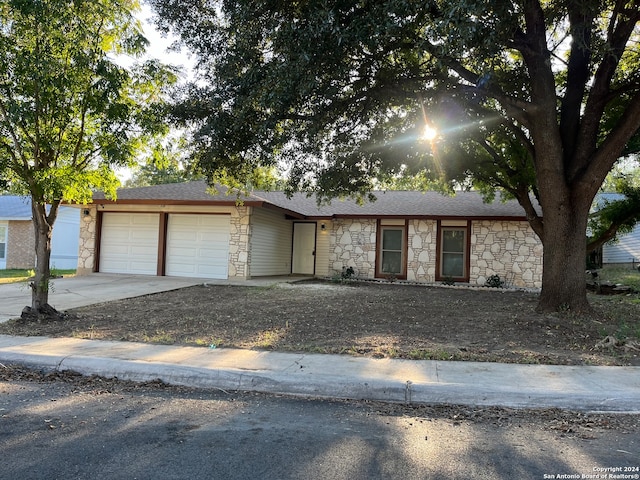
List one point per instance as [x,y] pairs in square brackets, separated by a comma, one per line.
[158,49]
[159,45]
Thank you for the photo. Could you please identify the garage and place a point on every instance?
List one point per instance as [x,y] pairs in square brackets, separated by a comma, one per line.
[129,243]
[197,246]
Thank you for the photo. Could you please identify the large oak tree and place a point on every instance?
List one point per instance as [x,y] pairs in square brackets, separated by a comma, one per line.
[537,98]
[68,111]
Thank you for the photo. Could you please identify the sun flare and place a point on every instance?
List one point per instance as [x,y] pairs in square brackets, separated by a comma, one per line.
[429,133]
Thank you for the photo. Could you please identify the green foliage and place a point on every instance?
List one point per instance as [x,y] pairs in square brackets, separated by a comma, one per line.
[166,162]
[341,92]
[68,111]
[621,275]
[627,169]
[628,331]
[347,275]
[425,354]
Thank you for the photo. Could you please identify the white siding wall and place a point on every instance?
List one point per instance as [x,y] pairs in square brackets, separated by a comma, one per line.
[625,250]
[65,239]
[322,248]
[271,236]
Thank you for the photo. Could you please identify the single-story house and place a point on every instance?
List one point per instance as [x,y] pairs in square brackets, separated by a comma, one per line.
[183,230]
[626,249]
[17,241]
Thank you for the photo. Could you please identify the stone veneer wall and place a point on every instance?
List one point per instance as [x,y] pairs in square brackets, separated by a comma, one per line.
[352,243]
[20,244]
[509,249]
[239,252]
[87,242]
[421,252]
[506,248]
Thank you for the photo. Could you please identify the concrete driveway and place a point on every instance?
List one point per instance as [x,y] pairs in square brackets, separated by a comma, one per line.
[73,292]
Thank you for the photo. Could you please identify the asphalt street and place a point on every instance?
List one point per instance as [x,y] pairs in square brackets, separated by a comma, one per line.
[74,429]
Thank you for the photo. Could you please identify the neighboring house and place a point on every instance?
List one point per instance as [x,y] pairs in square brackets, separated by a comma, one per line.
[182,230]
[626,249]
[17,241]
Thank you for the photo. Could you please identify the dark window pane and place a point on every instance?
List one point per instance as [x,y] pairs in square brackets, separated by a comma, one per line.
[392,240]
[453,241]
[391,262]
[452,265]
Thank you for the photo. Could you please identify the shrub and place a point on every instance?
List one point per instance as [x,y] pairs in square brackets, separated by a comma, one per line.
[346,276]
[347,273]
[494,281]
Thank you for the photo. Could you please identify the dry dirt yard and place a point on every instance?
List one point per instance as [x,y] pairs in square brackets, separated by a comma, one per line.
[370,319]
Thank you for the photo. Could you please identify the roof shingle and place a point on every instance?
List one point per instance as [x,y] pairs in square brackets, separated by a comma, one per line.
[388,203]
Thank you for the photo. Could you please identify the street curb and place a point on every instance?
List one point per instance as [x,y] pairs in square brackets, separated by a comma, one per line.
[329,386]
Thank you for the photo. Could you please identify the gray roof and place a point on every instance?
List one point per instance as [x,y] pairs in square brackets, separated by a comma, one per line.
[387,204]
[401,203]
[194,192]
[15,208]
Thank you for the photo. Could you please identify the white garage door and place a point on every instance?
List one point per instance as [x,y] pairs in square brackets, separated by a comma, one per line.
[129,243]
[198,246]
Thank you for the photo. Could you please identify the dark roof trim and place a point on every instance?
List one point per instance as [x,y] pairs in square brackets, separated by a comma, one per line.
[422,217]
[221,203]
[218,203]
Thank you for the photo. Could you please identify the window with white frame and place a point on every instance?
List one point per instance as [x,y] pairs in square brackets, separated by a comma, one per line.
[3,242]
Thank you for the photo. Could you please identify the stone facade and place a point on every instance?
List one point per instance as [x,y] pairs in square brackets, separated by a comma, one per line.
[352,243]
[421,251]
[239,254]
[20,245]
[87,242]
[509,249]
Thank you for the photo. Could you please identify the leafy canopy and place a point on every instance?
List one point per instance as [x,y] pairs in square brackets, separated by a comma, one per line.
[68,110]
[340,91]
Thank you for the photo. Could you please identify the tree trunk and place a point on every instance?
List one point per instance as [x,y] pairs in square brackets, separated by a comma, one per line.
[564,286]
[43,229]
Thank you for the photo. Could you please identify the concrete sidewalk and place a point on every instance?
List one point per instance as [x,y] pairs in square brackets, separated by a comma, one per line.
[584,388]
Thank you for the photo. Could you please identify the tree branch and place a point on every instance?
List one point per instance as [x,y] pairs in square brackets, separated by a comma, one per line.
[600,92]
[609,151]
[578,75]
